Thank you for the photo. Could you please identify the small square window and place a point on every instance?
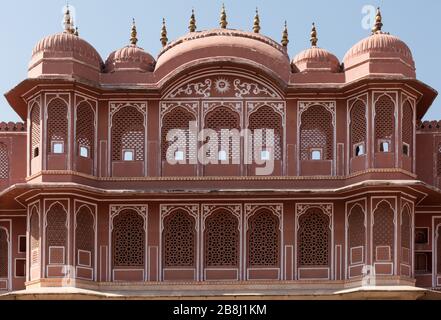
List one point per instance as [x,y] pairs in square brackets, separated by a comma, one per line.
[128,155]
[84,152]
[20,268]
[359,150]
[57,147]
[36,152]
[179,155]
[384,146]
[222,156]
[265,155]
[406,149]
[316,154]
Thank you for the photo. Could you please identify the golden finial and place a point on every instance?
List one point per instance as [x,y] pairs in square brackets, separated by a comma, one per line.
[314,38]
[223,18]
[133,34]
[285,40]
[192,26]
[378,22]
[76,32]
[164,39]
[256,26]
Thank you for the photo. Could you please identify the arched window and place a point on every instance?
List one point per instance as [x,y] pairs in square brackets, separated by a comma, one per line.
[85,237]
[57,126]
[224,118]
[35,236]
[384,124]
[56,234]
[85,131]
[128,239]
[4,161]
[4,250]
[178,118]
[358,129]
[265,118]
[35,130]
[356,235]
[263,239]
[179,240]
[407,129]
[316,134]
[383,232]
[314,239]
[128,135]
[221,240]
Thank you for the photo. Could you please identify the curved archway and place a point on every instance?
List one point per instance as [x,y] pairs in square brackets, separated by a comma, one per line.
[128,241]
[356,238]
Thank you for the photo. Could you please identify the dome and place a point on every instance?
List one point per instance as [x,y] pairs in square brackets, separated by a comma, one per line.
[130,58]
[68,46]
[228,45]
[380,45]
[316,59]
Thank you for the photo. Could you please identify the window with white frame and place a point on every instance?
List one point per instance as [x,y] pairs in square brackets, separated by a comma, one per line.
[128,155]
[359,149]
[316,154]
[57,147]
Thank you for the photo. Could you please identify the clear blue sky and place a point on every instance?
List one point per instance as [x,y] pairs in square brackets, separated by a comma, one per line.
[106,25]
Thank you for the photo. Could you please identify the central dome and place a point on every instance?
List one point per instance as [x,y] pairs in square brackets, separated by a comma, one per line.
[232,45]
[130,58]
[316,59]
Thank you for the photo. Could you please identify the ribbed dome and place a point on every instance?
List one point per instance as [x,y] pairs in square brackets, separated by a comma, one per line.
[66,45]
[380,43]
[229,44]
[316,59]
[130,58]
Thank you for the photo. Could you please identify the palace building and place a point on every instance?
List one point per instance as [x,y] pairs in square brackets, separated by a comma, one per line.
[92,201]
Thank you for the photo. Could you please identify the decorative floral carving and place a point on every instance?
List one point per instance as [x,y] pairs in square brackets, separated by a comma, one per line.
[251,88]
[222,85]
[196,88]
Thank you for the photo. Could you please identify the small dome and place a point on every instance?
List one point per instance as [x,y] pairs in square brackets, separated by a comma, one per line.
[66,45]
[130,58]
[380,44]
[316,59]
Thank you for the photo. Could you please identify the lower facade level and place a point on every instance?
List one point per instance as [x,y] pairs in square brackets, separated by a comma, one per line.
[136,243]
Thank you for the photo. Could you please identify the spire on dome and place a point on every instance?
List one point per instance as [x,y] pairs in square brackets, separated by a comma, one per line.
[77,33]
[133,34]
[223,18]
[192,25]
[256,26]
[314,38]
[68,21]
[285,39]
[378,22]
[164,39]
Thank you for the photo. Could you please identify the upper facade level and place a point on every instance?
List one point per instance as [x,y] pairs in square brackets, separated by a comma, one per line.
[134,119]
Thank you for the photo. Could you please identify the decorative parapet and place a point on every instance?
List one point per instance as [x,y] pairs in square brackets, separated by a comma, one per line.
[12,127]
[429,126]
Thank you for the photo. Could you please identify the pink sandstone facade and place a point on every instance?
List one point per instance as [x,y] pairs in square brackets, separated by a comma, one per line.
[88,200]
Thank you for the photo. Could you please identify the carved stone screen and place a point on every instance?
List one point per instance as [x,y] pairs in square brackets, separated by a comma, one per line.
[179,240]
[221,240]
[263,239]
[314,238]
[316,131]
[128,239]
[57,122]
